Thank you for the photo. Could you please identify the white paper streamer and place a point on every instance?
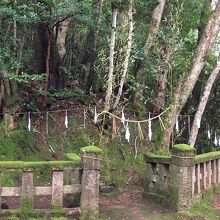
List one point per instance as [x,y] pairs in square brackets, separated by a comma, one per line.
[127,133]
[84,119]
[149,128]
[122,117]
[215,141]
[198,121]
[66,120]
[213,4]
[29,121]
[95,116]
[209,134]
[177,125]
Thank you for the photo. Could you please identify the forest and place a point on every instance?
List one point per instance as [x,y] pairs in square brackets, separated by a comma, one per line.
[128,76]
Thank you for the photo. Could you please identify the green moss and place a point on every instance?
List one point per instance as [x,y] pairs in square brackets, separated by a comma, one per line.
[183,150]
[87,215]
[153,158]
[174,196]
[72,156]
[38,164]
[92,149]
[163,152]
[207,156]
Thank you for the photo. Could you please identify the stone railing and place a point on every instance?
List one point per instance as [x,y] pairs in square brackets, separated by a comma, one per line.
[181,178]
[206,172]
[83,177]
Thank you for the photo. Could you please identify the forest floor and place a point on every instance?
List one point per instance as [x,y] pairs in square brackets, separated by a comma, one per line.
[131,206]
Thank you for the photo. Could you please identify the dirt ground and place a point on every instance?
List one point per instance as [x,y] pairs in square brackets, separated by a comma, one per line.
[131,206]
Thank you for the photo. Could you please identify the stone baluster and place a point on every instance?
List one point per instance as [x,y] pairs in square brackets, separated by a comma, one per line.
[27,189]
[218,170]
[57,188]
[90,182]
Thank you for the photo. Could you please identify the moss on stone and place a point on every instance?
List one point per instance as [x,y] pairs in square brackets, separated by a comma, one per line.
[92,149]
[183,150]
[153,158]
[207,157]
[72,156]
[38,164]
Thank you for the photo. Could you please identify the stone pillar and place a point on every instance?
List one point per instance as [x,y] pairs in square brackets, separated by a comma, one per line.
[181,176]
[57,188]
[89,202]
[27,189]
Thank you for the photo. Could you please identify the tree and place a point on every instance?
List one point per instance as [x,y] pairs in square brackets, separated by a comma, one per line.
[111,59]
[203,102]
[127,55]
[186,85]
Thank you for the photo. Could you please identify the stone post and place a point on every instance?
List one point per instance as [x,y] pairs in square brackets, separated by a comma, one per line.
[57,188]
[181,176]
[27,189]
[89,202]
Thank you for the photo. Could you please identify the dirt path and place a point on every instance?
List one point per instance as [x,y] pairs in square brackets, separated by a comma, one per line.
[131,206]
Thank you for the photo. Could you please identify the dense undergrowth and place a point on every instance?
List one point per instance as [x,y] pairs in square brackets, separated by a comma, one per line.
[122,164]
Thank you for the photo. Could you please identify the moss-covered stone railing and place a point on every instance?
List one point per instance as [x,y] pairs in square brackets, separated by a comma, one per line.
[181,177]
[83,178]
[206,172]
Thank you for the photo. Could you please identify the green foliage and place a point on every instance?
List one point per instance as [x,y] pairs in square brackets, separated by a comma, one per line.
[66,93]
[25,77]
[26,206]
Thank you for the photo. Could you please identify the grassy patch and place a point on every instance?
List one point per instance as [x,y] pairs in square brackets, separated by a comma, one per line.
[203,209]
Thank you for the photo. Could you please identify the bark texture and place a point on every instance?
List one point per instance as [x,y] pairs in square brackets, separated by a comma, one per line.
[154,27]
[127,55]
[203,102]
[111,59]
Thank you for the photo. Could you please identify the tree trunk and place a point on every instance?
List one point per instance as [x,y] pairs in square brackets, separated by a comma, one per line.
[162,79]
[203,101]
[62,29]
[48,61]
[91,52]
[127,55]
[185,87]
[111,59]
[40,45]
[153,31]
[154,27]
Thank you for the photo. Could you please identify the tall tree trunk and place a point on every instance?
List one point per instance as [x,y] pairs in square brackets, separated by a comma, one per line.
[185,87]
[162,79]
[111,59]
[153,31]
[48,61]
[154,27]
[127,55]
[40,45]
[62,29]
[203,101]
[91,52]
